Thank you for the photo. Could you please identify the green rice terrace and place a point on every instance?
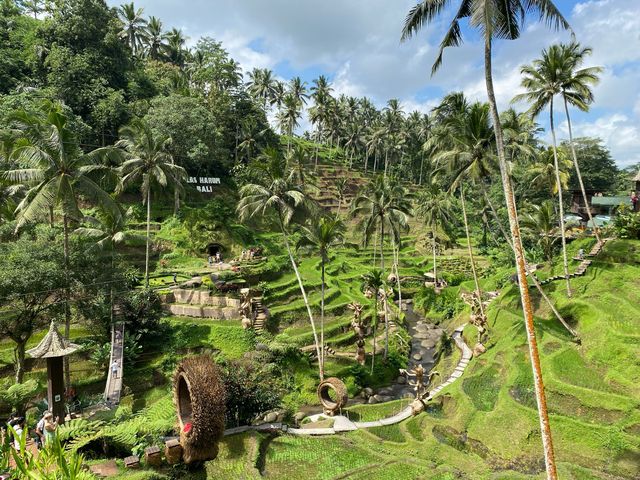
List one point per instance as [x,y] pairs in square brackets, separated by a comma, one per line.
[211,270]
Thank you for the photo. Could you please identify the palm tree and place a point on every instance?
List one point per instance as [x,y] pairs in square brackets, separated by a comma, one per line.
[341,189]
[435,206]
[277,192]
[155,38]
[466,150]
[289,116]
[542,173]
[57,172]
[174,49]
[150,163]
[134,25]
[541,224]
[35,7]
[499,19]
[322,235]
[542,81]
[372,282]
[575,86]
[262,86]
[385,206]
[108,230]
[298,90]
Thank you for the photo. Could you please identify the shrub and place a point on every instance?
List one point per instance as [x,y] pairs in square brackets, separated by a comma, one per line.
[627,223]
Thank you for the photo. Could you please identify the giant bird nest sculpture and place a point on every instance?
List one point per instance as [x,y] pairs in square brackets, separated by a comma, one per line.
[332,404]
[199,396]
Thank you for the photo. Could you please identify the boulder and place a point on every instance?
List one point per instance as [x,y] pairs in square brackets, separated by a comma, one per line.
[401,380]
[417,357]
[368,391]
[299,416]
[271,417]
[261,347]
[372,400]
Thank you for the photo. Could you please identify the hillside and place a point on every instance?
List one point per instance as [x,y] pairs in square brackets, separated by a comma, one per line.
[486,427]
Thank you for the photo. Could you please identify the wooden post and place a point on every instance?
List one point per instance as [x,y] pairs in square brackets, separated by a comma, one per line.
[55,387]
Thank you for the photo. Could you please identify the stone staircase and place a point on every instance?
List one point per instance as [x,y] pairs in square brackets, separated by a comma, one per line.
[260,315]
[582,267]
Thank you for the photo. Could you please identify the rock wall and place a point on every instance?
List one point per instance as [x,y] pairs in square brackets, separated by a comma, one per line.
[201,304]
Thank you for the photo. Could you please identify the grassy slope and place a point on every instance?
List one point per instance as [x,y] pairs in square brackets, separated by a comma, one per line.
[593,393]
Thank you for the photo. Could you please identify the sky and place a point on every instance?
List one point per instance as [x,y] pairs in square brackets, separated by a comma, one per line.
[356,43]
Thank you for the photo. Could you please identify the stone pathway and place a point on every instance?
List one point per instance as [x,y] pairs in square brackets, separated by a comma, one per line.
[343,424]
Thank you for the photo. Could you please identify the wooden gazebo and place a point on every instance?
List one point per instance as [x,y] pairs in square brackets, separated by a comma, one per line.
[54,347]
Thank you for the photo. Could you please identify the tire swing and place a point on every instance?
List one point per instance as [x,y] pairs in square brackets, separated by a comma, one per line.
[199,397]
[332,405]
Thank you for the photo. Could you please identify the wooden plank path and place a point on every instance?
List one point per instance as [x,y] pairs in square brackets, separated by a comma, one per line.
[113,389]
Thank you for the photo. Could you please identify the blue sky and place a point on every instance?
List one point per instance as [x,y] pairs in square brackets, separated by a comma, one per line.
[356,44]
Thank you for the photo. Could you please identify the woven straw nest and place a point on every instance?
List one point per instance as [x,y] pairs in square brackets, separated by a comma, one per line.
[332,404]
[199,396]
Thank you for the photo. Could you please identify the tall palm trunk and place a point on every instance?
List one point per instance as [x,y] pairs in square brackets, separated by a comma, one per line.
[67,308]
[386,162]
[596,230]
[545,427]
[470,249]
[304,295]
[565,261]
[322,321]
[386,323]
[146,261]
[375,324]
[421,167]
[433,245]
[529,272]
[396,260]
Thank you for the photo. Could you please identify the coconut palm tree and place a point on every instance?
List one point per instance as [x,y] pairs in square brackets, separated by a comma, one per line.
[465,148]
[372,282]
[575,86]
[262,86]
[278,193]
[155,38]
[56,172]
[174,49]
[288,117]
[133,26]
[149,163]
[298,89]
[342,185]
[542,173]
[322,235]
[107,230]
[385,207]
[541,223]
[542,81]
[435,207]
[499,19]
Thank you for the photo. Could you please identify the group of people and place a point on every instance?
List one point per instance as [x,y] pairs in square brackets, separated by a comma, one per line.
[217,258]
[250,254]
[45,429]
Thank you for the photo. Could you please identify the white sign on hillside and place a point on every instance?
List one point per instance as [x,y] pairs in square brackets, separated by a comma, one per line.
[204,184]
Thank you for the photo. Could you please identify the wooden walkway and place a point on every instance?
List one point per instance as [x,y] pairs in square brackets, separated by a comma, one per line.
[585,263]
[113,389]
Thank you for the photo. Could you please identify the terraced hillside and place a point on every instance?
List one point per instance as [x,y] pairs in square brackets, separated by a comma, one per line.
[485,426]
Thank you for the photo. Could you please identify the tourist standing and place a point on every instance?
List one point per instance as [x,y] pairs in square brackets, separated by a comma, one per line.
[18,432]
[40,430]
[50,427]
[114,369]
[634,201]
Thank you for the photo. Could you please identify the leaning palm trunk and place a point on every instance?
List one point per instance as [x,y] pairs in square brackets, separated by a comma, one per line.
[577,167]
[322,322]
[529,272]
[470,248]
[545,427]
[304,296]
[386,325]
[396,251]
[433,246]
[67,309]
[146,261]
[565,261]
[375,324]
